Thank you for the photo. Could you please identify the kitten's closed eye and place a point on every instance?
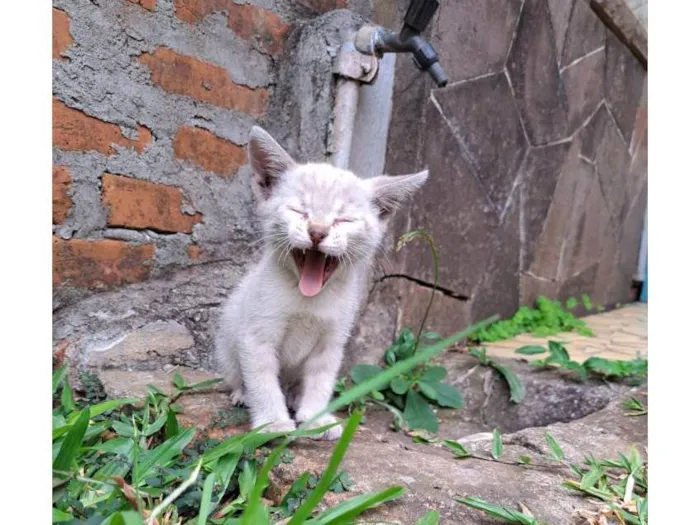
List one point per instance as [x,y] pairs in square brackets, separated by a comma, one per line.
[299,212]
[343,219]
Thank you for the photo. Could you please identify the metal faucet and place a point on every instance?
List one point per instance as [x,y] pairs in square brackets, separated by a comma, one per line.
[374,40]
[357,63]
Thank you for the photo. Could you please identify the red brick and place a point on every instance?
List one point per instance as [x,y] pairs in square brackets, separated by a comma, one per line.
[100,264]
[192,11]
[61,201]
[140,204]
[62,39]
[258,25]
[194,252]
[323,6]
[73,130]
[146,4]
[183,75]
[204,149]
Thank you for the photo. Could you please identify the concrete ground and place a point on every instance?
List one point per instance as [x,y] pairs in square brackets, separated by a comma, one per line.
[585,419]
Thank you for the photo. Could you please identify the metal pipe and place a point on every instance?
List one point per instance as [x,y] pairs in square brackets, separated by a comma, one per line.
[345,109]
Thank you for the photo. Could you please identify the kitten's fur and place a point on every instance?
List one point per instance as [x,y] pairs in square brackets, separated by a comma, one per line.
[282,331]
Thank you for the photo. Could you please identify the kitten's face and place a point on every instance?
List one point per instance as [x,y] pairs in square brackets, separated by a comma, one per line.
[321,220]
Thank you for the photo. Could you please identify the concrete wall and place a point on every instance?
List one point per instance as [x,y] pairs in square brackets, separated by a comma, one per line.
[537,152]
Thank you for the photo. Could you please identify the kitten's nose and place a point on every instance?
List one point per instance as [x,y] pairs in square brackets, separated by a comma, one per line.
[318,232]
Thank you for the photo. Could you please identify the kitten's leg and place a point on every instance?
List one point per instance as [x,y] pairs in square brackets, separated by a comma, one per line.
[263,393]
[226,357]
[319,375]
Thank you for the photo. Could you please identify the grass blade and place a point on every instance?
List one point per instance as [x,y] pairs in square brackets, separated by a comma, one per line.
[496,511]
[205,505]
[431,518]
[554,447]
[57,379]
[58,516]
[304,511]
[347,510]
[517,391]
[457,448]
[162,454]
[497,446]
[71,444]
[67,396]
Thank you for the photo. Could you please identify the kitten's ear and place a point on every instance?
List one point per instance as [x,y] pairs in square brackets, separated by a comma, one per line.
[390,191]
[268,160]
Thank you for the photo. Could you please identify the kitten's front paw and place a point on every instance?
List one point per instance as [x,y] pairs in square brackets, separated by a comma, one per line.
[237,397]
[284,425]
[332,433]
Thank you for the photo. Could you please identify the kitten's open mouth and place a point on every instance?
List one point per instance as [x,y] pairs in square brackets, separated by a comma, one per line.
[315,268]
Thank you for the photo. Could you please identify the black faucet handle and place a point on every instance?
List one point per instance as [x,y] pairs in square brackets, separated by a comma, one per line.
[426,59]
[419,14]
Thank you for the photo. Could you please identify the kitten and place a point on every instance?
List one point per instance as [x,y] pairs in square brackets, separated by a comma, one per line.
[282,331]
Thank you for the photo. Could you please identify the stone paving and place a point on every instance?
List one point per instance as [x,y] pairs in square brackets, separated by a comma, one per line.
[618,334]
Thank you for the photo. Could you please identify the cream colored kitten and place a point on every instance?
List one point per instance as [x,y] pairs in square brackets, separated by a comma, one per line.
[282,331]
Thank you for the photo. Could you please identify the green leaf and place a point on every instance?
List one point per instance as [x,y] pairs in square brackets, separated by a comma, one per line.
[171,426]
[554,446]
[67,396]
[587,304]
[130,517]
[204,384]
[345,512]
[497,445]
[432,336]
[578,368]
[496,511]
[58,516]
[399,385]
[205,505]
[95,410]
[432,517]
[154,427]
[57,379]
[530,350]
[571,303]
[178,381]
[517,391]
[434,374]
[591,477]
[429,390]
[418,413]
[381,380]
[324,484]
[71,444]
[604,495]
[121,446]
[360,373]
[457,448]
[558,353]
[162,454]
[525,460]
[449,396]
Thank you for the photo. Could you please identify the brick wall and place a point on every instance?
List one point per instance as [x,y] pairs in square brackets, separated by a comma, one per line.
[153,101]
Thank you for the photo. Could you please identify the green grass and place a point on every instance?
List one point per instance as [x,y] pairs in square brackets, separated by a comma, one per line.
[558,357]
[548,318]
[130,461]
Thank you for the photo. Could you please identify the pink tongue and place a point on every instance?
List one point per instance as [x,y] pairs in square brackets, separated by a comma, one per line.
[311,280]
